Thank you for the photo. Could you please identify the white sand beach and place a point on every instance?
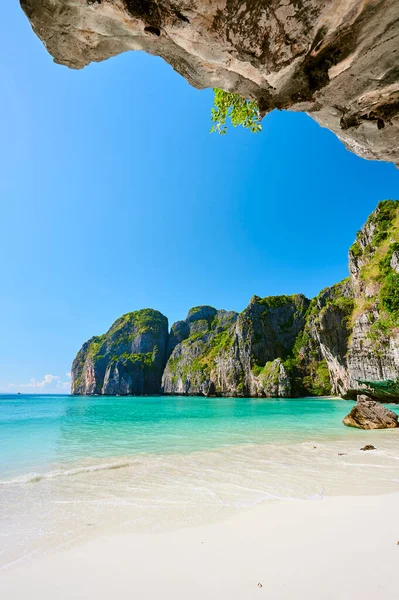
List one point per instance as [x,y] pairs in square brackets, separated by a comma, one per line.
[338,548]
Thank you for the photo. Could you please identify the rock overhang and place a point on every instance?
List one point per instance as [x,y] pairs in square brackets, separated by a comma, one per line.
[338,61]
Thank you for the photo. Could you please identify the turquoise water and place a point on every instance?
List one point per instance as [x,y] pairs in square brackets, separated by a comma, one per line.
[38,431]
[77,467]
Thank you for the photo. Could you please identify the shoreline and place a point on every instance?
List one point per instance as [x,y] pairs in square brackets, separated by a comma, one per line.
[150,494]
[292,548]
[154,470]
[210,397]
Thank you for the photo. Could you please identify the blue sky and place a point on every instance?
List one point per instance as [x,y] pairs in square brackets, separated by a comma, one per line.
[115,197]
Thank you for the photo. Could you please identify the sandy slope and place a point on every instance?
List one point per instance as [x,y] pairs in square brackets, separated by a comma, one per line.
[338,548]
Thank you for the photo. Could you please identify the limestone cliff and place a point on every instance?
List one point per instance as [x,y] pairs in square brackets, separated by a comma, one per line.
[335,59]
[344,341]
[128,359]
[357,323]
[202,339]
[317,363]
[230,354]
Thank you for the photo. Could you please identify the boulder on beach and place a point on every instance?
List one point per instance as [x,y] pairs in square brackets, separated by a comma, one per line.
[369,414]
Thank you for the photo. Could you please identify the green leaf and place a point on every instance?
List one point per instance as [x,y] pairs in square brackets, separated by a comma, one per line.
[238,110]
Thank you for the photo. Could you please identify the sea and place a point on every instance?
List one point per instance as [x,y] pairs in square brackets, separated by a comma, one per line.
[73,467]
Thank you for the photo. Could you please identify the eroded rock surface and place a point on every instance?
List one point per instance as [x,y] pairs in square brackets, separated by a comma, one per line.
[128,359]
[369,414]
[343,342]
[338,60]
[370,359]
[230,354]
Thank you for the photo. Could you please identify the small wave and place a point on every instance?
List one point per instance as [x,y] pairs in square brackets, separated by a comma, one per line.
[36,477]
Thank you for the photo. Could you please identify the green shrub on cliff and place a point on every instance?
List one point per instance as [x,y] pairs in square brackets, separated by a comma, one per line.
[385,262]
[257,369]
[145,319]
[356,250]
[346,306]
[383,218]
[377,274]
[236,108]
[389,294]
[321,384]
[145,359]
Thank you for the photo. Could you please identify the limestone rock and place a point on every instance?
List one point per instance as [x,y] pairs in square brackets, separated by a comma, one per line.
[274,381]
[345,341]
[329,329]
[358,337]
[369,414]
[205,334]
[227,354]
[128,359]
[363,398]
[266,332]
[179,332]
[337,60]
[395,261]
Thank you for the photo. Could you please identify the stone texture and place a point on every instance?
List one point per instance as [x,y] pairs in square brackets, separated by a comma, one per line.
[395,261]
[329,328]
[266,331]
[228,354]
[274,381]
[369,414]
[127,360]
[342,342]
[361,347]
[193,366]
[335,59]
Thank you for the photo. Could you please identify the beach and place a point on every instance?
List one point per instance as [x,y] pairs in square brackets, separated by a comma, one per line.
[338,548]
[199,372]
[194,497]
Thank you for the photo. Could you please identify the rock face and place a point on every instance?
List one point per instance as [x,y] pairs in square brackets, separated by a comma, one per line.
[335,59]
[343,342]
[230,354]
[371,355]
[369,414]
[195,348]
[318,363]
[394,264]
[128,359]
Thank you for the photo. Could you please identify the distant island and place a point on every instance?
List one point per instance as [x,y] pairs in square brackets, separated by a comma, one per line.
[343,342]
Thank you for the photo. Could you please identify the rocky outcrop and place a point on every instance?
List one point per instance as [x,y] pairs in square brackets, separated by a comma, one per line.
[127,360]
[274,381]
[370,358]
[230,354]
[319,358]
[350,342]
[344,341]
[337,60]
[369,414]
[196,345]
[266,333]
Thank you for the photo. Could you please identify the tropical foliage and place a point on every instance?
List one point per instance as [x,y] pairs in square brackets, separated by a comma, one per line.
[235,108]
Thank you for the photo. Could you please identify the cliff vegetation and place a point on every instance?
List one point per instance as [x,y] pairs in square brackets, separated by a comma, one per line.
[343,342]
